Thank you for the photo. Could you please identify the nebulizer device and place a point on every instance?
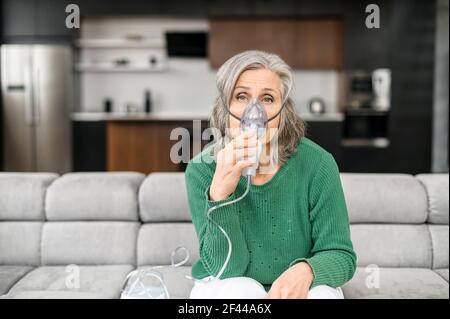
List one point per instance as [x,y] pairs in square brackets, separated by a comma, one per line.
[149,283]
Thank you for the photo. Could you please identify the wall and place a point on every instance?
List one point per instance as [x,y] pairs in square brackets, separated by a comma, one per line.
[440,113]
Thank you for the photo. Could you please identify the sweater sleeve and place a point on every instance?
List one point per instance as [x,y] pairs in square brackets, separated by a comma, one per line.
[332,260]
[213,245]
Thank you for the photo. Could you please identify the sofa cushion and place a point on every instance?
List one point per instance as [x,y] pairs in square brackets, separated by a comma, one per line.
[94,196]
[163,197]
[396,283]
[436,186]
[52,281]
[89,243]
[22,195]
[384,198]
[20,243]
[178,285]
[46,294]
[392,245]
[9,275]
[439,240]
[443,273]
[157,241]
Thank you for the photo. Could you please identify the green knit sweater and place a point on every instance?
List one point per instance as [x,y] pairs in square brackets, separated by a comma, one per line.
[298,215]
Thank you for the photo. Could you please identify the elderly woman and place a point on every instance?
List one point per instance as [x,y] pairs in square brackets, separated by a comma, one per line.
[289,232]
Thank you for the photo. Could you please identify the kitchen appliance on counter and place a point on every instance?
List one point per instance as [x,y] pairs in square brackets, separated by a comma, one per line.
[381,86]
[316,105]
[368,90]
[36,92]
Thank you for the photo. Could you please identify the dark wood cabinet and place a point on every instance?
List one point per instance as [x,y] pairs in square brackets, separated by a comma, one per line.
[145,146]
[304,43]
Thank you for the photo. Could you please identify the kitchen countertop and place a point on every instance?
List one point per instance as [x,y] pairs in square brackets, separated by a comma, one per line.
[172,116]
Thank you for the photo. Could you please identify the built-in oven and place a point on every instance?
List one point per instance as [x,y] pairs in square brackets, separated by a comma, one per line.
[366,108]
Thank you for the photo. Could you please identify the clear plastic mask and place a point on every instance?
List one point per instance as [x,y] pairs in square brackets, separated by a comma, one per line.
[254,117]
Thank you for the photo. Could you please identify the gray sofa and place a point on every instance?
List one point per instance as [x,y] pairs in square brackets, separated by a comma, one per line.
[80,234]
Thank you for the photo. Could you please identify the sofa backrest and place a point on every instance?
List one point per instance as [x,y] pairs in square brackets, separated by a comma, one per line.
[166,220]
[387,214]
[22,215]
[397,220]
[92,218]
[437,189]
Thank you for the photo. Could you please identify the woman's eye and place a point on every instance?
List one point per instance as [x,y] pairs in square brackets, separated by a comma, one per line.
[241,97]
[268,99]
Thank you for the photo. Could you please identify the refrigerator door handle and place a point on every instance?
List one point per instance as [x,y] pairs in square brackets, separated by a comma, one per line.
[28,96]
[37,97]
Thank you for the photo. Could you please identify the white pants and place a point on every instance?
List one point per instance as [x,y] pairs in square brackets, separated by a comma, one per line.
[248,288]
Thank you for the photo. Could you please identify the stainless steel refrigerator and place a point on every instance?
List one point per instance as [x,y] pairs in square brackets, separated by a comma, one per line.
[36,83]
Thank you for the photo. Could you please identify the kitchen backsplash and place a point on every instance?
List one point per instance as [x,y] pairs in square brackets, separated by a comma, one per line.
[189,85]
[182,85]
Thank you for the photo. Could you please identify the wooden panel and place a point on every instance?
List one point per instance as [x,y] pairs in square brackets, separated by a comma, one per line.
[306,43]
[231,36]
[319,44]
[139,146]
[144,146]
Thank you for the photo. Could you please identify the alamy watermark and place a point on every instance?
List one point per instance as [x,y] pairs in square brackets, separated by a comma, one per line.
[180,152]
[73,277]
[373,19]
[73,17]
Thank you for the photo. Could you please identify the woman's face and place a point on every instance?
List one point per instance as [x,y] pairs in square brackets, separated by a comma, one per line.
[263,84]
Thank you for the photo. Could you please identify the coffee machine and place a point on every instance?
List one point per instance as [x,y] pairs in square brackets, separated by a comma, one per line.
[381,89]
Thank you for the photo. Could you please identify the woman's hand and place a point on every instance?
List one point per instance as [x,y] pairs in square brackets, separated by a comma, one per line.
[294,283]
[231,160]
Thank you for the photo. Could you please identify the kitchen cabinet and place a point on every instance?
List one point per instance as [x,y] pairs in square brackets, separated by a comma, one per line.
[145,145]
[304,43]
[327,134]
[89,146]
[18,18]
[30,21]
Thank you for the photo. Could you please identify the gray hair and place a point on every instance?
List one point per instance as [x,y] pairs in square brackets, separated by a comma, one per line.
[292,127]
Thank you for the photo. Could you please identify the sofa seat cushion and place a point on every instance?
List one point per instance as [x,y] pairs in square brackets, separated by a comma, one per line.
[50,281]
[178,285]
[9,275]
[396,283]
[443,273]
[46,294]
